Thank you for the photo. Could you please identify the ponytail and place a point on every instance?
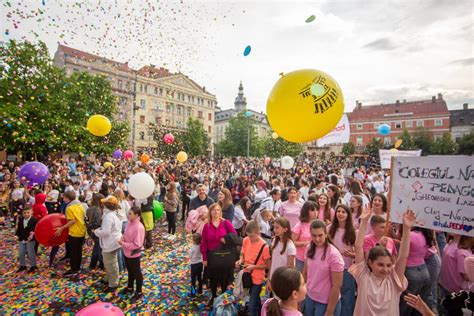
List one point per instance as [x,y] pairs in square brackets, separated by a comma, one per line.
[273,308]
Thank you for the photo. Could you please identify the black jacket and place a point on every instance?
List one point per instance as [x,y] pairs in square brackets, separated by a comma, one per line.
[24,232]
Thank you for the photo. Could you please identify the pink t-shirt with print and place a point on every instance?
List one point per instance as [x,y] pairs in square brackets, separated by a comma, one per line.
[302,232]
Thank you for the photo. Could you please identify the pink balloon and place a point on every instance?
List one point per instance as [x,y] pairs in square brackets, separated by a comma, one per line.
[168,138]
[128,154]
[100,308]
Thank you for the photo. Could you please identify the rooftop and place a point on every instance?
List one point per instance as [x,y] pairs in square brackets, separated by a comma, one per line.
[464,117]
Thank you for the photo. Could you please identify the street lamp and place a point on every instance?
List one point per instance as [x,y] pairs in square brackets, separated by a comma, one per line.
[248,114]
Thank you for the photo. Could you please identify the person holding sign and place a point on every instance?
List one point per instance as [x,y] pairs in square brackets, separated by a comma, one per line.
[380,279]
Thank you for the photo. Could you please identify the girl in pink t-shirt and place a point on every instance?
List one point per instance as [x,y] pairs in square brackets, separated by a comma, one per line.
[378,238]
[283,248]
[326,212]
[323,272]
[291,209]
[290,289]
[300,233]
[343,235]
[453,277]
[380,279]
[356,203]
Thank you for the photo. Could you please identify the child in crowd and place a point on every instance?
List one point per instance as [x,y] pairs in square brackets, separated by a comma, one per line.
[265,228]
[283,248]
[25,232]
[255,257]
[195,259]
[290,289]
[301,232]
[377,223]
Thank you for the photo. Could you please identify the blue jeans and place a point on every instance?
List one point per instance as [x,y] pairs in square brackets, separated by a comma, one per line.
[433,264]
[299,265]
[419,283]
[348,294]
[96,257]
[313,308]
[255,303]
[441,240]
[27,248]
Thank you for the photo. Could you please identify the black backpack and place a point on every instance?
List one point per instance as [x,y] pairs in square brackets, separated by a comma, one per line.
[256,205]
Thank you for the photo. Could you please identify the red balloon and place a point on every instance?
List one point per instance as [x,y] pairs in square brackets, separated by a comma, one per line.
[45,229]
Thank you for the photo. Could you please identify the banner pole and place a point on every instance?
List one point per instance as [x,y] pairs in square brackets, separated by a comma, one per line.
[389,199]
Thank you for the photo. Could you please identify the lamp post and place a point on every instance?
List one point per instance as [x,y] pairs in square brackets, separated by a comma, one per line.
[248,114]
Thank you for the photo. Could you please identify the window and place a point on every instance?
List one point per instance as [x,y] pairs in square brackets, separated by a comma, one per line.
[122,101]
[189,111]
[142,104]
[439,122]
[161,91]
[157,106]
[359,141]
[146,88]
[208,129]
[437,136]
[142,135]
[199,114]
[398,125]
[120,84]
[157,120]
[142,119]
[178,123]
[141,88]
[409,123]
[156,90]
[168,108]
[376,125]
[178,109]
[209,116]
[167,122]
[387,140]
[419,124]
[360,126]
[127,86]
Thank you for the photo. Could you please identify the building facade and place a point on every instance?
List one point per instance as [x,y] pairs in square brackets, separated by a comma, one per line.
[433,115]
[240,105]
[462,122]
[148,98]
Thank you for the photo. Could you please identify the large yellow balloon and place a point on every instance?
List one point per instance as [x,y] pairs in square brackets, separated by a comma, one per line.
[304,105]
[99,125]
[182,156]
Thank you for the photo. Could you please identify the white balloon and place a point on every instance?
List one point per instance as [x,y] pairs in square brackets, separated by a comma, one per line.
[141,185]
[287,162]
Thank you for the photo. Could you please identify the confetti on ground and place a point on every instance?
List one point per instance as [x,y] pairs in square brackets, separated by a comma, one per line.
[46,292]
[247,50]
[311,19]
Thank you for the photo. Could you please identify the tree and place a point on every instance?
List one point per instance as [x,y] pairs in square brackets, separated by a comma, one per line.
[196,141]
[165,150]
[423,139]
[444,145]
[280,147]
[466,144]
[348,149]
[407,141]
[43,111]
[373,147]
[235,141]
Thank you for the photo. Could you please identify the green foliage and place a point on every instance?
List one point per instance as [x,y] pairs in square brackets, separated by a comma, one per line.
[423,139]
[166,151]
[279,147]
[408,143]
[235,142]
[44,111]
[348,149]
[196,141]
[444,145]
[466,144]
[373,147]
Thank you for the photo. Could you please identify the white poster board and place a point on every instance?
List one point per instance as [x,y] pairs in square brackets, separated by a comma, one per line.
[439,189]
[387,154]
[339,135]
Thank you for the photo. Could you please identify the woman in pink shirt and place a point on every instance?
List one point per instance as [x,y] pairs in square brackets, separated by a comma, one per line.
[453,277]
[290,289]
[212,238]
[326,212]
[300,233]
[132,245]
[343,235]
[356,203]
[291,209]
[379,206]
[380,279]
[416,271]
[323,272]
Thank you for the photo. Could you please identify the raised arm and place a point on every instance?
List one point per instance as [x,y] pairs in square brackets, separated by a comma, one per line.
[359,244]
[409,219]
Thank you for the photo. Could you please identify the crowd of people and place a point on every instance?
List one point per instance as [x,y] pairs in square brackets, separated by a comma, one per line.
[317,234]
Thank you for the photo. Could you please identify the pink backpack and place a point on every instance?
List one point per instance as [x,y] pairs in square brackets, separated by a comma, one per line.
[196,219]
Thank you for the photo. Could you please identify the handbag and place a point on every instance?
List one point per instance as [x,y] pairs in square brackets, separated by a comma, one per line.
[247,276]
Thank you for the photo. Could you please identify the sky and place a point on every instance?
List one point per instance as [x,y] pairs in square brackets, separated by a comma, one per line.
[377,50]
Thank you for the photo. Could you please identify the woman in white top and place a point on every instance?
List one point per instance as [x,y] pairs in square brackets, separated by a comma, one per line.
[240,218]
[122,212]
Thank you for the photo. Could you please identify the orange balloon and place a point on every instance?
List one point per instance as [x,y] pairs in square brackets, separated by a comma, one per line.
[398,143]
[144,158]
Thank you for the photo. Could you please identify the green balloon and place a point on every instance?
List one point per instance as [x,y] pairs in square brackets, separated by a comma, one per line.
[158,210]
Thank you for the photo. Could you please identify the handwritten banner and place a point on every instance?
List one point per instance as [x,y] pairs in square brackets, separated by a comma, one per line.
[439,189]
[387,154]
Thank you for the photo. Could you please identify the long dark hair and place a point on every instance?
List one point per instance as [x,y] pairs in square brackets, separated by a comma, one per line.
[361,202]
[337,194]
[304,213]
[318,224]
[243,205]
[327,208]
[284,223]
[384,201]
[284,281]
[349,233]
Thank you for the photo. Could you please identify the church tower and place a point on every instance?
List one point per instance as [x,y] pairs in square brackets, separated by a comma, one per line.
[240,103]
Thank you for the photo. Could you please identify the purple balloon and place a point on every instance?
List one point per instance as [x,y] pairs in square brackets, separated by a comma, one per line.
[117,154]
[33,173]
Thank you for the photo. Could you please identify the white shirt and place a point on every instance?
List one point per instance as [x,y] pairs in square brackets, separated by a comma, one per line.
[239,216]
[110,231]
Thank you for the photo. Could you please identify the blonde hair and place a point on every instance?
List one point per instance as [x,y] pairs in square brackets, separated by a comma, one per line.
[119,195]
[211,208]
